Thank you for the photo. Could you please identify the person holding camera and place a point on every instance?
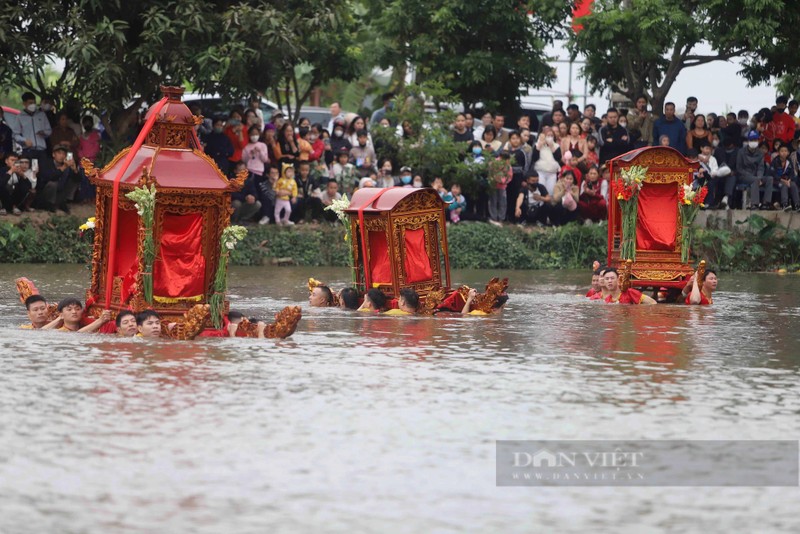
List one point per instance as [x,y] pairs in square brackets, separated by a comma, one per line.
[14,186]
[58,180]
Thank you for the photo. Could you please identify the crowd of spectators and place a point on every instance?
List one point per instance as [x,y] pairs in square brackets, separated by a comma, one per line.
[550,171]
[39,155]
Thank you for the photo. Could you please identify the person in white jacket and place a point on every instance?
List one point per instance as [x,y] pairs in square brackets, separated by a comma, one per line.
[709,174]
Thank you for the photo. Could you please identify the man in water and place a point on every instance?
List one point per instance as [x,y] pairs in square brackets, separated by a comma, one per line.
[348,298]
[320,297]
[616,295]
[497,305]
[148,324]
[701,293]
[374,301]
[71,311]
[37,312]
[407,303]
[126,324]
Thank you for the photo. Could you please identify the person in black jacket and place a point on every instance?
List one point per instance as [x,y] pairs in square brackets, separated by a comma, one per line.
[218,145]
[614,139]
[57,182]
[245,203]
[6,137]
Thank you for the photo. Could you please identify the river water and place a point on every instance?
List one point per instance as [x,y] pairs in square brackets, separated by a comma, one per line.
[379,424]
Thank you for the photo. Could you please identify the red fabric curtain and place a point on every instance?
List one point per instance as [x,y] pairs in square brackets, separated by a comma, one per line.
[379,267]
[126,264]
[658,217]
[179,270]
[417,262]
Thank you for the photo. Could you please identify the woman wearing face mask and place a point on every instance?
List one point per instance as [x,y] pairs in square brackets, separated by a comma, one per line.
[417,183]
[338,137]
[256,154]
[405,177]
[386,179]
[547,154]
[237,134]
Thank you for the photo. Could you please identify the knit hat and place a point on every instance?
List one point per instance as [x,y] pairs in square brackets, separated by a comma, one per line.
[284,167]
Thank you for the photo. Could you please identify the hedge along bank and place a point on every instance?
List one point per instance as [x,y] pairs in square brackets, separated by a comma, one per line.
[758,245]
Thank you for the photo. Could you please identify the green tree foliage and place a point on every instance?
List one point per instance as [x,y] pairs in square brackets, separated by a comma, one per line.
[116,52]
[429,149]
[638,47]
[485,51]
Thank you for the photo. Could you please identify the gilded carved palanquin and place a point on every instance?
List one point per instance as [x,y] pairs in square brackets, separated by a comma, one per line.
[658,230]
[399,240]
[192,205]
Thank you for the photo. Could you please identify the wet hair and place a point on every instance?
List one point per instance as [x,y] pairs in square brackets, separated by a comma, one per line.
[597,271]
[234,315]
[33,299]
[121,315]
[377,298]
[350,298]
[328,294]
[610,270]
[69,301]
[411,297]
[502,299]
[141,317]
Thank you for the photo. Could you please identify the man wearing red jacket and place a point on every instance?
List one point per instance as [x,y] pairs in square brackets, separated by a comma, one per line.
[782,125]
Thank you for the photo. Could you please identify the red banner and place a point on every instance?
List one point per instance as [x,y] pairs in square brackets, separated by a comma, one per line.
[582,8]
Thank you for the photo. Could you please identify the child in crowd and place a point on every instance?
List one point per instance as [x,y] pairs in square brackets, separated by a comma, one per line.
[502,174]
[255,154]
[343,172]
[457,205]
[285,195]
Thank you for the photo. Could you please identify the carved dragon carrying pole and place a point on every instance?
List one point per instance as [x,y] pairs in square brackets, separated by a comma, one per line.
[112,253]
[701,272]
[625,283]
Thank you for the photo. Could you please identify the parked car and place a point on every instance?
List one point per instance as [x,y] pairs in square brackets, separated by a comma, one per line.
[315,114]
[535,109]
[213,105]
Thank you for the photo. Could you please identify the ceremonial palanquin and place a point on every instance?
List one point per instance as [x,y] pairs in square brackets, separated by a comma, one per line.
[192,208]
[399,240]
[660,260]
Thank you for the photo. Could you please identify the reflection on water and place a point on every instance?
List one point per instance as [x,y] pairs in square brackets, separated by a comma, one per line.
[369,423]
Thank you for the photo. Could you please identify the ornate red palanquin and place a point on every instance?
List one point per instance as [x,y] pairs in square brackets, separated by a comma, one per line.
[192,210]
[658,229]
[404,240]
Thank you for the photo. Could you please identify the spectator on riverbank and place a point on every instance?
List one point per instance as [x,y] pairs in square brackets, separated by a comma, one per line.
[751,170]
[245,202]
[218,145]
[670,126]
[785,179]
[32,128]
